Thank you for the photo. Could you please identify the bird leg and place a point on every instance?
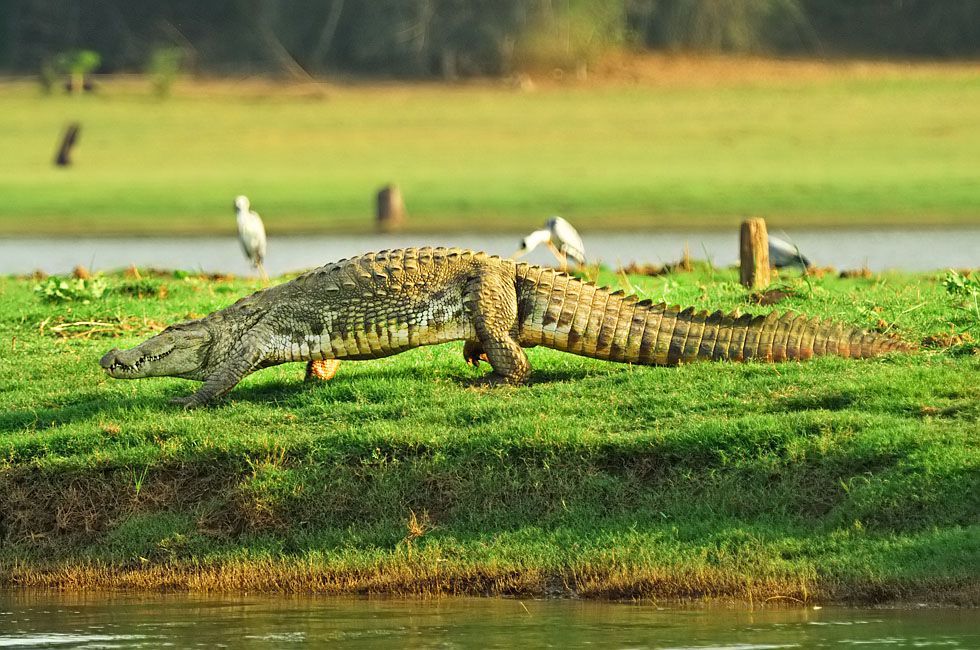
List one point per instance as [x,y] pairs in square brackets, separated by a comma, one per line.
[561,257]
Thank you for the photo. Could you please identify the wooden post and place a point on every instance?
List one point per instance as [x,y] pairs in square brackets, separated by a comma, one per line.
[67,142]
[391,208]
[754,254]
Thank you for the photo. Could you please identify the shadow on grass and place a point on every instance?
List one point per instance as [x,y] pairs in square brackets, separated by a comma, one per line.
[824,402]
[278,391]
[340,389]
[560,375]
[81,406]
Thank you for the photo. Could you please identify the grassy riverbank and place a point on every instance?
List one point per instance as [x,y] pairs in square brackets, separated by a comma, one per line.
[652,142]
[831,480]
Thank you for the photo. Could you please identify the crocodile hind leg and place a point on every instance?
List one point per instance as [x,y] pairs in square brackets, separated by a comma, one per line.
[322,369]
[473,352]
[491,302]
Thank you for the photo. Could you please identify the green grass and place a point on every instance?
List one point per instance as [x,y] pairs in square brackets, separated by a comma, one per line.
[833,480]
[838,147]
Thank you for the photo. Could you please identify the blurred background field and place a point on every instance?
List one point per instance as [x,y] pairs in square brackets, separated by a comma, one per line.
[630,115]
[804,144]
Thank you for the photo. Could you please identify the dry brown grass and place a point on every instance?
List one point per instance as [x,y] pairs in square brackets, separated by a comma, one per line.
[617,68]
[690,70]
[56,507]
[407,575]
[111,326]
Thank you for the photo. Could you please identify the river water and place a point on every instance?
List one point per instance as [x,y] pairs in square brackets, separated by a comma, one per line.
[913,250]
[115,620]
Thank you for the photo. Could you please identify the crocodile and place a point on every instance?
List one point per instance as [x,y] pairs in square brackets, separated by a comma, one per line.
[379,304]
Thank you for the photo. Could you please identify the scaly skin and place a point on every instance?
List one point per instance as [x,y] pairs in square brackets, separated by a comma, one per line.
[380,304]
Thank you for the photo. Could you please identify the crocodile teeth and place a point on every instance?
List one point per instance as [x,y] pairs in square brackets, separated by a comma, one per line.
[119,365]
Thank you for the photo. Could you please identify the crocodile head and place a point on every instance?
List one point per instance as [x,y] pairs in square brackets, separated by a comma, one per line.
[181,350]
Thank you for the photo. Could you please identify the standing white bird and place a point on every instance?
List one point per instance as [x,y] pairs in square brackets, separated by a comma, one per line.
[562,239]
[783,254]
[251,234]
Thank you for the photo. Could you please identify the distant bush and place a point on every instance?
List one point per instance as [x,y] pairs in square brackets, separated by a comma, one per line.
[77,64]
[720,25]
[60,289]
[164,69]
[966,289]
[570,37]
[48,77]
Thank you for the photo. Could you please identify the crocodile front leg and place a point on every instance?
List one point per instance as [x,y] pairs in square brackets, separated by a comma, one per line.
[223,380]
[240,362]
[491,302]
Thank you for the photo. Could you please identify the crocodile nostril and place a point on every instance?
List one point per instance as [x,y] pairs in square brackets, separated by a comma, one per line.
[109,358]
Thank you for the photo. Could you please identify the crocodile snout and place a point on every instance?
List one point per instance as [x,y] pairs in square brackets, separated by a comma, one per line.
[109,358]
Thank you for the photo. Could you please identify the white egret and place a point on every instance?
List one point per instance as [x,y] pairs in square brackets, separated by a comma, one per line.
[783,254]
[562,239]
[251,234]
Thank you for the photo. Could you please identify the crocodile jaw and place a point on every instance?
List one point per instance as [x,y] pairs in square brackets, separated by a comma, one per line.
[130,364]
[175,352]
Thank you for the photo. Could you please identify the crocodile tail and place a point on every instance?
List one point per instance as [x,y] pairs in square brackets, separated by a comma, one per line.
[581,318]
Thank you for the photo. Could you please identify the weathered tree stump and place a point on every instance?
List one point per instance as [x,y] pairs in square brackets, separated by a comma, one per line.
[391,209]
[754,254]
[67,142]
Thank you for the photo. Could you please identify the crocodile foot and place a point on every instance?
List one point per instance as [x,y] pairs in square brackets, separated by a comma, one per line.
[189,402]
[322,369]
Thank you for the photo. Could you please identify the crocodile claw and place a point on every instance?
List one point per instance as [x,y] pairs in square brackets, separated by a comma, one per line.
[473,353]
[189,402]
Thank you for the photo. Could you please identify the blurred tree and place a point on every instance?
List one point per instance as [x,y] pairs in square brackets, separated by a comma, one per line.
[164,68]
[325,35]
[569,34]
[429,37]
[267,18]
[7,34]
[722,25]
[466,37]
[911,27]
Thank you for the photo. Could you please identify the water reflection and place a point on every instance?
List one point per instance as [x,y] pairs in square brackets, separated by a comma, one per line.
[152,621]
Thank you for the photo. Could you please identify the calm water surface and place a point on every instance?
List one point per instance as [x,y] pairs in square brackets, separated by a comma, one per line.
[51,620]
[921,250]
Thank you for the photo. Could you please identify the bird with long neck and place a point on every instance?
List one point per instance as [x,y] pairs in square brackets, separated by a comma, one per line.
[562,240]
[251,234]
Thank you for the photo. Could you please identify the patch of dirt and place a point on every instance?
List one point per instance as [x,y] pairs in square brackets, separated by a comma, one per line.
[107,328]
[946,340]
[683,265]
[820,271]
[863,272]
[709,71]
[771,296]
